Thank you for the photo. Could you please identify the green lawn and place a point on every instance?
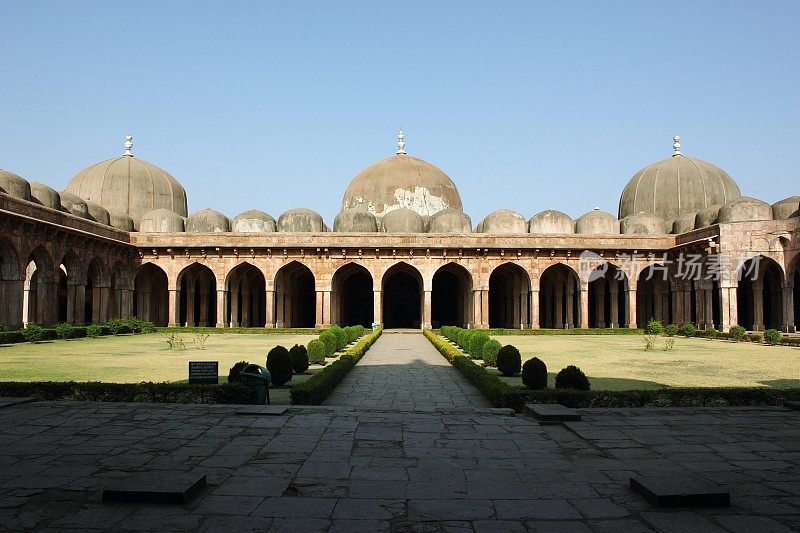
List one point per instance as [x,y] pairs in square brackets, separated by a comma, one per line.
[620,362]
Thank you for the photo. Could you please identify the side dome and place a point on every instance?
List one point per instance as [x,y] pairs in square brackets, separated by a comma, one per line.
[73,205]
[786,208]
[46,196]
[402,181]
[450,221]
[642,224]
[597,223]
[207,221]
[98,213]
[121,221]
[14,185]
[403,220]
[161,221]
[551,222]
[676,186]
[357,220]
[253,221]
[706,217]
[503,222]
[684,223]
[745,209]
[129,185]
[301,221]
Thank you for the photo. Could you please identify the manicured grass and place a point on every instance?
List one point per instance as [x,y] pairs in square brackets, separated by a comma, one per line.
[621,363]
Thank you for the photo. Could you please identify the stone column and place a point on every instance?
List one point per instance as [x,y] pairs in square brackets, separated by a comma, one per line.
[244,317]
[71,318]
[534,307]
[559,321]
[377,308]
[758,305]
[326,308]
[485,309]
[708,308]
[280,309]
[78,304]
[174,305]
[270,309]
[190,296]
[614,321]
[788,309]
[426,310]
[222,299]
[524,310]
[12,301]
[728,307]
[584,294]
[631,297]
[476,308]
[100,304]
[677,306]
[126,304]
[234,299]
[204,318]
[600,305]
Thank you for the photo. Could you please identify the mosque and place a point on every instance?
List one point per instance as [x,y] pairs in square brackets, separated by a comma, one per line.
[685,246]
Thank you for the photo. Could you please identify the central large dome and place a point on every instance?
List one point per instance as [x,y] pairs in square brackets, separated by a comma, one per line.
[402,181]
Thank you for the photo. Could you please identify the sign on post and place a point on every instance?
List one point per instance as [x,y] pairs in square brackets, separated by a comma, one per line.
[204,372]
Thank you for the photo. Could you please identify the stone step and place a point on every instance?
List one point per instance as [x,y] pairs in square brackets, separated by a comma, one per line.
[681,490]
[552,412]
[261,410]
[155,487]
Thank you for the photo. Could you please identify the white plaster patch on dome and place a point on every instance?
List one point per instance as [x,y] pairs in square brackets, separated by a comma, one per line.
[419,200]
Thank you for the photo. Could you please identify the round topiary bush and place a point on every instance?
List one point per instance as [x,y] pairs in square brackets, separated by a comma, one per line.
[737,333]
[671,330]
[476,342]
[463,338]
[509,362]
[489,352]
[352,333]
[772,337]
[235,371]
[341,337]
[688,330]
[299,356]
[328,338]
[534,374]
[572,377]
[316,352]
[279,364]
[654,327]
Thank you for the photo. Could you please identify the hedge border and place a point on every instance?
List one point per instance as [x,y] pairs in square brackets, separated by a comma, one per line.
[146,392]
[315,389]
[240,331]
[500,394]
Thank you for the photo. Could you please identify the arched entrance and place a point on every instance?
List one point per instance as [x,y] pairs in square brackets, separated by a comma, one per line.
[150,295]
[451,297]
[653,295]
[295,296]
[247,297]
[796,296]
[11,284]
[608,297]
[559,298]
[198,296]
[71,290]
[402,297]
[509,287]
[759,295]
[96,295]
[119,300]
[352,296]
[41,298]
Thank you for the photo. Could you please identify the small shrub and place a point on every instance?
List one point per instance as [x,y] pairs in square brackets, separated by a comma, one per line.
[147,327]
[649,342]
[316,352]
[341,337]
[534,374]
[200,340]
[135,324]
[669,344]
[175,342]
[509,362]
[688,330]
[235,371]
[63,330]
[33,332]
[463,338]
[572,377]
[476,342]
[772,337]
[352,333]
[115,325]
[654,327]
[11,337]
[737,333]
[489,353]
[93,331]
[279,364]
[328,338]
[299,356]
[711,333]
[671,330]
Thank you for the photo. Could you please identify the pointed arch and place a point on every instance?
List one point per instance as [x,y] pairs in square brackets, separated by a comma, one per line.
[451,296]
[120,303]
[198,296]
[295,296]
[759,294]
[401,289]
[608,297]
[559,297]
[96,293]
[352,296]
[151,294]
[653,295]
[246,304]
[41,296]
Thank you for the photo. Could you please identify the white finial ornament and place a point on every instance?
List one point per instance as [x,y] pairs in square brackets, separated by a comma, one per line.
[401,143]
[128,146]
[676,145]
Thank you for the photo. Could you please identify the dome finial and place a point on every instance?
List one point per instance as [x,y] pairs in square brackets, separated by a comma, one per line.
[401,143]
[128,146]
[676,146]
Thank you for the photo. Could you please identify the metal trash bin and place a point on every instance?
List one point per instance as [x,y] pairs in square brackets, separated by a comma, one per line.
[258,379]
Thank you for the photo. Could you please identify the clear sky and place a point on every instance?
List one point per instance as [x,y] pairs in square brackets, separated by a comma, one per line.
[525,105]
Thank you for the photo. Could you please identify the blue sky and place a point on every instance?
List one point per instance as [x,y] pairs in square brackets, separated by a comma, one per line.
[525,105]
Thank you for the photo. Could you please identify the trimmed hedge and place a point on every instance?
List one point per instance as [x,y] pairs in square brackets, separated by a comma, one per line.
[315,389]
[240,331]
[534,374]
[509,360]
[316,352]
[572,377]
[227,393]
[328,338]
[279,364]
[572,331]
[299,356]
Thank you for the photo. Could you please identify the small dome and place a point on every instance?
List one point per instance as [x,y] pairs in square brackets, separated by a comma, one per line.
[597,223]
[684,223]
[706,217]
[14,185]
[403,220]
[744,209]
[46,196]
[786,208]
[161,221]
[642,224]
[551,222]
[207,221]
[98,213]
[356,220]
[449,221]
[253,221]
[74,205]
[122,221]
[130,185]
[301,221]
[676,186]
[503,222]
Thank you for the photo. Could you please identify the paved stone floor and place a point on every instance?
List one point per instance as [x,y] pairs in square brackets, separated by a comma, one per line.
[352,469]
[403,370]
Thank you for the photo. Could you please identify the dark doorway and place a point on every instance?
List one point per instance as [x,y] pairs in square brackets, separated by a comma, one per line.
[296,297]
[509,287]
[150,295]
[353,296]
[402,288]
[759,296]
[451,297]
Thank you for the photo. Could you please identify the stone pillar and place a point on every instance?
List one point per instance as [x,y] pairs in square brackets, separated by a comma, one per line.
[524,310]
[728,307]
[600,305]
[319,310]
[126,304]
[476,308]
[100,304]
[426,310]
[234,299]
[708,308]
[190,296]
[559,321]
[222,299]
[534,307]
[631,297]
[584,294]
[377,308]
[677,306]
[687,305]
[78,303]
[174,305]
[204,318]
[280,309]
[614,321]
[12,302]
[270,309]
[326,308]
[71,318]
[244,316]
[758,305]
[485,309]
[788,309]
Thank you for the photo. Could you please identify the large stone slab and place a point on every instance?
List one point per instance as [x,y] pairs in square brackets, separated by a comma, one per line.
[9,402]
[155,487]
[552,412]
[684,490]
[261,410]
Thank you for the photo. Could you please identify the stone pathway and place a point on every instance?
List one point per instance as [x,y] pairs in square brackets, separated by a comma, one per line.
[337,469]
[403,370]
